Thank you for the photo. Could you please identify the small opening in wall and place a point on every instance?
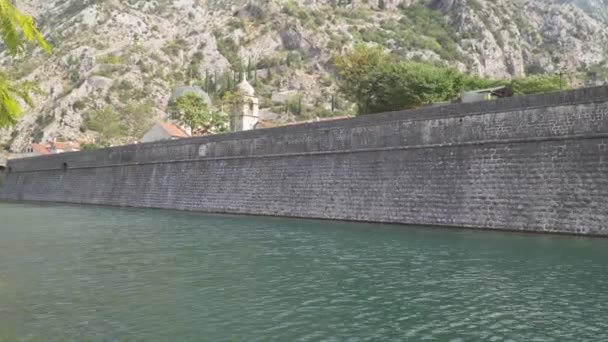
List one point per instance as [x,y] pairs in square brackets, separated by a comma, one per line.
[64,166]
[2,169]
[10,169]
[460,120]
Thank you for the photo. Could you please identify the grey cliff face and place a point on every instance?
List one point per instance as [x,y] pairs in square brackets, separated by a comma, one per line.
[444,6]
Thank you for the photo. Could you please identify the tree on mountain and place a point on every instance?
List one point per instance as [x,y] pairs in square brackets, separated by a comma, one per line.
[376,82]
[538,84]
[402,85]
[191,110]
[359,71]
[137,118]
[107,123]
[17,30]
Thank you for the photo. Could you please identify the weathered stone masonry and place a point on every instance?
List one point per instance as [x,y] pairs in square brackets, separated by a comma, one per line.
[536,163]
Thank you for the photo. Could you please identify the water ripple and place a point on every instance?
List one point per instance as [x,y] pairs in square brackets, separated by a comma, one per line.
[73,273]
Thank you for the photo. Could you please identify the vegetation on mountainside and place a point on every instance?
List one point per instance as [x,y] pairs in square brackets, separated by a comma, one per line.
[536,84]
[377,82]
[17,30]
[106,122]
[146,49]
[137,118]
[192,111]
[228,48]
[418,28]
[120,125]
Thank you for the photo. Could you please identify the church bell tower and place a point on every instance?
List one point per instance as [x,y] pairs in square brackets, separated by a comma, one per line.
[247,112]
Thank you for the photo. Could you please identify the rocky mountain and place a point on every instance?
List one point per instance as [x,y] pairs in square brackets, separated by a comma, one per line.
[598,9]
[132,54]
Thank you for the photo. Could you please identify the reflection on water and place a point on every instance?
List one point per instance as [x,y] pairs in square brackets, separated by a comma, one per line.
[113,274]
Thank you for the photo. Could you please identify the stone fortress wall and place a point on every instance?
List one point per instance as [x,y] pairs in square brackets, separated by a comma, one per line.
[534,163]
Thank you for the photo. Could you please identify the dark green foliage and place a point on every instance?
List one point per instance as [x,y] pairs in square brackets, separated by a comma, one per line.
[106,122]
[123,124]
[410,85]
[380,83]
[292,8]
[198,57]
[211,83]
[256,12]
[173,48]
[92,146]
[355,15]
[294,105]
[337,42]
[418,28]
[294,59]
[359,73]
[269,75]
[128,92]
[235,24]
[44,120]
[144,67]
[538,84]
[430,23]
[109,59]
[125,85]
[193,72]
[229,49]
[191,110]
[137,118]
[108,70]
[535,69]
[249,69]
[307,17]
[74,76]
[79,105]
[375,35]
[267,62]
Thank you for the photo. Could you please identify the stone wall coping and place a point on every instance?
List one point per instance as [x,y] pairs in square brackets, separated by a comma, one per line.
[598,136]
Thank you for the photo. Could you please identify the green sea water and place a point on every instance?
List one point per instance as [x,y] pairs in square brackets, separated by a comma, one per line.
[106,274]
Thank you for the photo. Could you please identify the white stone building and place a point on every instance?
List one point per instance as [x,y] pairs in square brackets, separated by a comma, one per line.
[247,113]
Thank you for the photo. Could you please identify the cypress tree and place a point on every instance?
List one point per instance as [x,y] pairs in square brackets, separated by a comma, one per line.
[207,88]
[249,68]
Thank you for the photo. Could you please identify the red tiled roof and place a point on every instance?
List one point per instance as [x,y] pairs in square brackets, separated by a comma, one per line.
[66,146]
[39,148]
[173,130]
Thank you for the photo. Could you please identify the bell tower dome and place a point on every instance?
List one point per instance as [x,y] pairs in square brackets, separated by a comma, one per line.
[247,113]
